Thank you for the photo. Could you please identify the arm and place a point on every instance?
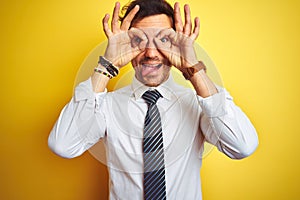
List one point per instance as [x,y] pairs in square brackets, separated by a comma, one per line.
[226,126]
[119,50]
[200,81]
[82,121]
[222,122]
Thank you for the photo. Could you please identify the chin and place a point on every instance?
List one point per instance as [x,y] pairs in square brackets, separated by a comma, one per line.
[154,82]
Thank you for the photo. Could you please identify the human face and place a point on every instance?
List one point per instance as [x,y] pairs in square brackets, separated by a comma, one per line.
[151,67]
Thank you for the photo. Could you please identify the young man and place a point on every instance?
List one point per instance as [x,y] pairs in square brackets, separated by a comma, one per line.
[153,129]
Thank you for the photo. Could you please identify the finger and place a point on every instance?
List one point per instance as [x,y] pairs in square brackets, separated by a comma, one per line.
[137,32]
[196,30]
[127,21]
[188,24]
[162,46]
[170,53]
[167,33]
[164,41]
[164,49]
[135,52]
[138,38]
[177,18]
[114,22]
[106,29]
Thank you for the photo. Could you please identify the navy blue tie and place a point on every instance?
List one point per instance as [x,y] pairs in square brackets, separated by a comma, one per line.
[154,167]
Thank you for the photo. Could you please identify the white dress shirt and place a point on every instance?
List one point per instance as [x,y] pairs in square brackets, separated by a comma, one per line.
[188,121]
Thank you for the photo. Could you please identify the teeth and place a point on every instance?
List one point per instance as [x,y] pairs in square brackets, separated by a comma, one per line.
[151,65]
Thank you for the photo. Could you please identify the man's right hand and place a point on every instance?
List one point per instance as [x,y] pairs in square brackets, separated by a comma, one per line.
[123,44]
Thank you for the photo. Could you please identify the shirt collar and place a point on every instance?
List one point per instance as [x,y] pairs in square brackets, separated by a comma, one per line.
[165,89]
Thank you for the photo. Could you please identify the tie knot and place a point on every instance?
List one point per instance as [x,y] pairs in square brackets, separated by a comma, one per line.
[151,96]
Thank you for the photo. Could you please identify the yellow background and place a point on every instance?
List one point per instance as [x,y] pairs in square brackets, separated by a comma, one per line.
[255,45]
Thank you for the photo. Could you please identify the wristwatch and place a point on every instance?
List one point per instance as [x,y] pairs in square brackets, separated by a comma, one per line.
[190,71]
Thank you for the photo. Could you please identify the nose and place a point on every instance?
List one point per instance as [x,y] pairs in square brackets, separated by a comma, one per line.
[151,50]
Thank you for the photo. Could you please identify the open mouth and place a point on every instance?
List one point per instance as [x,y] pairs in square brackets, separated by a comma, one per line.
[152,65]
[150,69]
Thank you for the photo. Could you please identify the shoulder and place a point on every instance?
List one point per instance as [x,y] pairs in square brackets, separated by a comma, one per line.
[123,92]
[183,90]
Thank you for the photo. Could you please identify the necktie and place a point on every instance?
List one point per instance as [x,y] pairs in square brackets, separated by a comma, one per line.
[154,167]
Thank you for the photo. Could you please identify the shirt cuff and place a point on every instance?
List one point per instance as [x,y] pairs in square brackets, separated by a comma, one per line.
[215,105]
[84,91]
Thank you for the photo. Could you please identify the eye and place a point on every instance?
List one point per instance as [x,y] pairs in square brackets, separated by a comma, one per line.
[164,39]
[137,39]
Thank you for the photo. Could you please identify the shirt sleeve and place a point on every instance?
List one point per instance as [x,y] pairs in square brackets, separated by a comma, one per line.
[226,126]
[81,123]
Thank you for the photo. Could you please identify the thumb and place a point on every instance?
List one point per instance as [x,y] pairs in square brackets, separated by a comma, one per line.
[138,38]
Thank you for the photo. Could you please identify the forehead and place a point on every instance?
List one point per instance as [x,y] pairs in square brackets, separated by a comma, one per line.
[160,21]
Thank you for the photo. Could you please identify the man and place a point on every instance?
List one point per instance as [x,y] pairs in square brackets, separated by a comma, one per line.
[153,129]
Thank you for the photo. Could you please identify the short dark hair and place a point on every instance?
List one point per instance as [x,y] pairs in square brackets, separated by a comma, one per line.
[148,8]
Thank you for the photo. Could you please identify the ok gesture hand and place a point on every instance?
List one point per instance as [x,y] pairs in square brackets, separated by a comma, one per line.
[178,46]
[122,48]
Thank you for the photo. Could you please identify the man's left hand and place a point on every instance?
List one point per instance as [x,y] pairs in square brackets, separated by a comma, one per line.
[178,46]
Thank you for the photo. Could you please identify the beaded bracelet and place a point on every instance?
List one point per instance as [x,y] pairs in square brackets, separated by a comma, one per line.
[103,72]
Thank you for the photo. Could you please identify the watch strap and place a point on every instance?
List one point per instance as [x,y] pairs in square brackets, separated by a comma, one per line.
[190,71]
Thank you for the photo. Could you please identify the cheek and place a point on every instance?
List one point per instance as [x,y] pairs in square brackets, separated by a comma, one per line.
[166,70]
[133,63]
[136,67]
[136,60]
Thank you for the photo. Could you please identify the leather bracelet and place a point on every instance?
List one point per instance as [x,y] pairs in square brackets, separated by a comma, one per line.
[113,70]
[190,71]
